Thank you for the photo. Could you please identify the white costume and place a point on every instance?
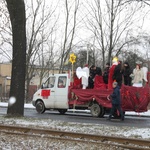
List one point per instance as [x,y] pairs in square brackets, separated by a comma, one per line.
[145,71]
[84,74]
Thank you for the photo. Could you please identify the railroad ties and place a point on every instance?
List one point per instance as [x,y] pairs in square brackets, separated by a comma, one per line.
[128,143]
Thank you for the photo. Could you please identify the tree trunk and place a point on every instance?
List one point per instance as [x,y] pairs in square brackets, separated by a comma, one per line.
[16,10]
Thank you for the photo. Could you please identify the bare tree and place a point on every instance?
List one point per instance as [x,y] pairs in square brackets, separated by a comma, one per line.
[5,33]
[39,17]
[16,10]
[147,2]
[69,33]
[143,43]
[41,27]
[110,21]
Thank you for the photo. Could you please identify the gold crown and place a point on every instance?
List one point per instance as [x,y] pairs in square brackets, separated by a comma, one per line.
[115,59]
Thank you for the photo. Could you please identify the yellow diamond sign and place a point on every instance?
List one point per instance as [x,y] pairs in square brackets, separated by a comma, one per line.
[72,58]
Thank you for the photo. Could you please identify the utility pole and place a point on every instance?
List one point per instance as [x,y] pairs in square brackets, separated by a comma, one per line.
[87,56]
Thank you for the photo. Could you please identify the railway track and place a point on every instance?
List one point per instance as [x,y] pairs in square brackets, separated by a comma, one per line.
[127,143]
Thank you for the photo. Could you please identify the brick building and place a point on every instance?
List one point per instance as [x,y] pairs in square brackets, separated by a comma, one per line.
[5,78]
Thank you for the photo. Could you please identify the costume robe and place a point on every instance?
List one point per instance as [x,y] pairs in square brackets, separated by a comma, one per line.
[110,77]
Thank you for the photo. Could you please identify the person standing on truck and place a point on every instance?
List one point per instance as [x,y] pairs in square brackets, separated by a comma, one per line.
[84,79]
[137,76]
[116,101]
[95,71]
[111,72]
[145,71]
[83,74]
[117,76]
[91,80]
[106,73]
[126,74]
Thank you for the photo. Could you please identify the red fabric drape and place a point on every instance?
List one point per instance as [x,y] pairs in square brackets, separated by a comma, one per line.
[99,83]
[92,94]
[135,99]
[132,98]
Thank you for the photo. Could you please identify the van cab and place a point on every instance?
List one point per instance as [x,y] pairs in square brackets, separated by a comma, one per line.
[53,94]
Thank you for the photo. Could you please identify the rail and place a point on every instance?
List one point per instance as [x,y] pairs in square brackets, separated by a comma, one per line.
[129,143]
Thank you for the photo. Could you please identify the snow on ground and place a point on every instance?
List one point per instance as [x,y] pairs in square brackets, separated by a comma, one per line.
[80,127]
[122,131]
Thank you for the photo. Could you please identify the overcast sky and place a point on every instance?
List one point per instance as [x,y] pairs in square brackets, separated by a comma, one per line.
[140,25]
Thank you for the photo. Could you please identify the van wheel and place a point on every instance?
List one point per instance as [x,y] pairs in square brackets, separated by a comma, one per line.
[62,111]
[40,107]
[96,110]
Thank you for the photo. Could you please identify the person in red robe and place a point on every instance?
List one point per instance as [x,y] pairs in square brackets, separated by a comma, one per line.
[77,82]
[111,72]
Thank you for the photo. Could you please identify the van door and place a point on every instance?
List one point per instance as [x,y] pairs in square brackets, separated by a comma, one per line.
[48,92]
[61,93]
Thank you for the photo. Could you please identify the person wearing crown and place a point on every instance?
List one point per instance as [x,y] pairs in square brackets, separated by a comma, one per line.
[111,73]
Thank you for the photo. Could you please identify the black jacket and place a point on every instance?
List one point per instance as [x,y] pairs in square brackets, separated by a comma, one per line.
[105,75]
[127,71]
[95,72]
[126,74]
[118,73]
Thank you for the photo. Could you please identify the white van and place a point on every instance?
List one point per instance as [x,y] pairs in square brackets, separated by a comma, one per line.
[53,94]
